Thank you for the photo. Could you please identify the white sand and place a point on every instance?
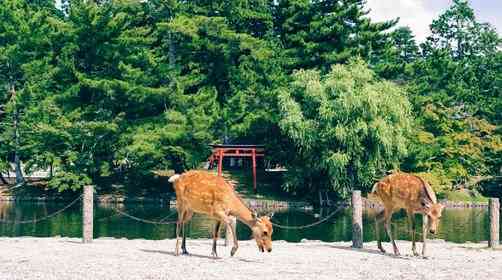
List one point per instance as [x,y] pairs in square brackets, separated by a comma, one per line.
[67,258]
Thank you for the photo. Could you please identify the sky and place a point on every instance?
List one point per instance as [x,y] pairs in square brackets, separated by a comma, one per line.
[418,14]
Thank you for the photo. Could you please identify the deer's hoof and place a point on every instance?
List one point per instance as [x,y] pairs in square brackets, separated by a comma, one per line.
[232,252]
[214,254]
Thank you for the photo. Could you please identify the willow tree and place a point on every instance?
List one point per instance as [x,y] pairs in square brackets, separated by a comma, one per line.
[347,126]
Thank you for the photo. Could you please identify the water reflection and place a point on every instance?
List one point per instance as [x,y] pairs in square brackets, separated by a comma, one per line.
[457,225]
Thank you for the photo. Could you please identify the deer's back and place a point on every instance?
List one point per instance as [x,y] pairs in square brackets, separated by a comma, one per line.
[203,192]
[400,190]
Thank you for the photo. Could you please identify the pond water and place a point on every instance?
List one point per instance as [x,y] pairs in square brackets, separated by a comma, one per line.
[457,225]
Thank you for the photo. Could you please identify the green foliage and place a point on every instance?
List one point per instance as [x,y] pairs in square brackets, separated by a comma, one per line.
[439,181]
[457,32]
[401,51]
[109,91]
[317,34]
[68,181]
[100,106]
[456,89]
[348,127]
[26,30]
[461,65]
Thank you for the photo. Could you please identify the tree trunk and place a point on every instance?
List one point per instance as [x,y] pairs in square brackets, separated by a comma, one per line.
[3,180]
[17,160]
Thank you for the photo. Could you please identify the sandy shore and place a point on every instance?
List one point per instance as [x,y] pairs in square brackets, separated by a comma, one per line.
[67,258]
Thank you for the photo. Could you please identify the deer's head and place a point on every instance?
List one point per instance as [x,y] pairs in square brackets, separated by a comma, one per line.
[262,233]
[433,212]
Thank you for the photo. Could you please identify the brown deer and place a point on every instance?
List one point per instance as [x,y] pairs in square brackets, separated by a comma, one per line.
[206,193]
[405,191]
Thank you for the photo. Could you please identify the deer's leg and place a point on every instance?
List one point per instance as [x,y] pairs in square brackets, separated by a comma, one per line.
[413,226]
[178,229]
[216,234]
[388,216]
[378,219]
[186,217]
[226,219]
[424,234]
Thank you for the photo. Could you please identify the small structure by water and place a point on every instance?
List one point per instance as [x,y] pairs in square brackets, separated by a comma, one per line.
[221,151]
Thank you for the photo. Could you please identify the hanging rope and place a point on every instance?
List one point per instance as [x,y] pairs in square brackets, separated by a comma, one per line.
[342,206]
[45,217]
[161,222]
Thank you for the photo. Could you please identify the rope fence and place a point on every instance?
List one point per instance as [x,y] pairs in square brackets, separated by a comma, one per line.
[357,214]
[37,220]
[323,220]
[161,222]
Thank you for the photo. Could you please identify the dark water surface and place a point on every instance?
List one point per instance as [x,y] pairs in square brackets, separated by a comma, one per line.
[457,225]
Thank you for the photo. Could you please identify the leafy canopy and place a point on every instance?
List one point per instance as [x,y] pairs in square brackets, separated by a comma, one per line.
[348,127]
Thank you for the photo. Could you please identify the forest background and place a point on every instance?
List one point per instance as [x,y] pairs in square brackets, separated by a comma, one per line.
[115,91]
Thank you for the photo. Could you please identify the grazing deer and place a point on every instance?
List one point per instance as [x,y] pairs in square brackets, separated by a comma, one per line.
[206,193]
[409,192]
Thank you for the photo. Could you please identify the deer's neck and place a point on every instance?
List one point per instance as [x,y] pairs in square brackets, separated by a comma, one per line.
[242,213]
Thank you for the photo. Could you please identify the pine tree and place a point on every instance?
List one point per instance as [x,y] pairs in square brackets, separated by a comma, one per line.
[214,58]
[317,34]
[25,44]
[399,56]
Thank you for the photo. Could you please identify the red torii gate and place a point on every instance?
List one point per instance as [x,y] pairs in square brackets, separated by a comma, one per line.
[222,150]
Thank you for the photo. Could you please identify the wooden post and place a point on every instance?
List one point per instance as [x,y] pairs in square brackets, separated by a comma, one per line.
[87,214]
[220,161]
[494,206]
[229,237]
[357,220]
[254,169]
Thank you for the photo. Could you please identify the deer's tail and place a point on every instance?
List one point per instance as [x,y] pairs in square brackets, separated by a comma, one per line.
[173,178]
[374,189]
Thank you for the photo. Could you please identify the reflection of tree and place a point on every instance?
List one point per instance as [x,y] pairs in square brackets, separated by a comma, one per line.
[201,227]
[459,225]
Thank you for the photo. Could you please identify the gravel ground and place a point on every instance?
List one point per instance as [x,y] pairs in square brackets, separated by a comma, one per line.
[67,258]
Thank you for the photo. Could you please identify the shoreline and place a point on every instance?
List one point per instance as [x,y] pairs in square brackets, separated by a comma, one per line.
[255,203]
[367,204]
[171,201]
[110,258]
